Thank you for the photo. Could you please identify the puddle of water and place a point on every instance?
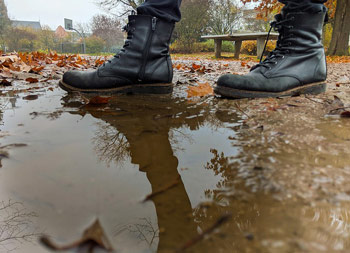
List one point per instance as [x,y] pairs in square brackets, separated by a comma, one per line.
[87,162]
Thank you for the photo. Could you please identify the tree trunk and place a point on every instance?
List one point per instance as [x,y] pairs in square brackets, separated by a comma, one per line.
[341,30]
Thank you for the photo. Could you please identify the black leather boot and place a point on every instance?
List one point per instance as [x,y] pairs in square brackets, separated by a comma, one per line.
[142,66]
[297,65]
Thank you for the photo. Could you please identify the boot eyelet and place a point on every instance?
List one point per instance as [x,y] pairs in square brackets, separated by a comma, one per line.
[276,63]
[283,56]
[292,18]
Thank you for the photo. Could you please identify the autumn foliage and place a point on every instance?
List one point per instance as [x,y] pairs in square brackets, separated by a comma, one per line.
[41,64]
[266,7]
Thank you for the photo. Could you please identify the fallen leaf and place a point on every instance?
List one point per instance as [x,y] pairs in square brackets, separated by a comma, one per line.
[342,80]
[5,82]
[36,70]
[195,66]
[13,58]
[6,74]
[14,68]
[345,114]
[32,80]
[203,89]
[31,97]
[99,100]
[99,62]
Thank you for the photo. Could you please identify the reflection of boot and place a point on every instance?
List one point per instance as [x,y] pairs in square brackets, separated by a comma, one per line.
[297,65]
[142,66]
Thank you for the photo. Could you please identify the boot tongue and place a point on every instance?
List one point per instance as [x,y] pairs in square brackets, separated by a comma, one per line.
[283,13]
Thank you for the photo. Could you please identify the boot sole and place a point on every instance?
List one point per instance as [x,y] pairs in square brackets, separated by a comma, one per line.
[312,88]
[156,88]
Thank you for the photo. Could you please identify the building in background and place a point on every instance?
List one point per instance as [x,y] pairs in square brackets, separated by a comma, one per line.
[26,24]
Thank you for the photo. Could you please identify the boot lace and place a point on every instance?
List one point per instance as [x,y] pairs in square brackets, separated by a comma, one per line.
[282,46]
[129,29]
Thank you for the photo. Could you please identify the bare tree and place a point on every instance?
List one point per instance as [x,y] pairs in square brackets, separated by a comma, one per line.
[144,229]
[195,18]
[224,16]
[109,29]
[111,146]
[83,28]
[119,7]
[16,225]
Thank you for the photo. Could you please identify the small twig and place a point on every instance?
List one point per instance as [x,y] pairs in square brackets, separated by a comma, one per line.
[223,219]
[340,108]
[240,109]
[314,100]
[293,105]
[164,189]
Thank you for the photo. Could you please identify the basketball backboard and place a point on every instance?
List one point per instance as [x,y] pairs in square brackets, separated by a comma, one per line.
[68,24]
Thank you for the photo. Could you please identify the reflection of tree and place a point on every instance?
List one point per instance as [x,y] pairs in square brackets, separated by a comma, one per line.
[16,225]
[144,230]
[148,128]
[148,113]
[110,145]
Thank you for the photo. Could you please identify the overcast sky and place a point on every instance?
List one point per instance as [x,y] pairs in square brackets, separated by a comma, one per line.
[52,12]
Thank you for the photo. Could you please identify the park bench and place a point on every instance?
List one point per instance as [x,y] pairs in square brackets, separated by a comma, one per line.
[260,37]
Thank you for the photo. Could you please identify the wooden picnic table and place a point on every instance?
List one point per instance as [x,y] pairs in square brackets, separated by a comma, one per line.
[260,37]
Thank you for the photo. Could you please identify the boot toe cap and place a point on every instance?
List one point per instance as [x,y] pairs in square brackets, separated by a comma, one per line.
[235,82]
[72,78]
[78,79]
[258,82]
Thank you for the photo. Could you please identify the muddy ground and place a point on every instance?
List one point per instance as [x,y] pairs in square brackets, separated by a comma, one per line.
[274,171]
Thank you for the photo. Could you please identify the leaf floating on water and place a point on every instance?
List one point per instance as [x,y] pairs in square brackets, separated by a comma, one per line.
[345,114]
[5,82]
[31,97]
[99,100]
[94,236]
[32,80]
[202,90]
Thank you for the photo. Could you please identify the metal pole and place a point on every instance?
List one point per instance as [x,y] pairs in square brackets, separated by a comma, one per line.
[83,37]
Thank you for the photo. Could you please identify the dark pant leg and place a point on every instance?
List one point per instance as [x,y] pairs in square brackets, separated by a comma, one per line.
[304,5]
[168,10]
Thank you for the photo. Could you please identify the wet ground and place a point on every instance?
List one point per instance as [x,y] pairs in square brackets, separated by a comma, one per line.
[172,174]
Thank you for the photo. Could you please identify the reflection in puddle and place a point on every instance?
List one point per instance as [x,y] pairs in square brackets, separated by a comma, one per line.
[86,162]
[16,226]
